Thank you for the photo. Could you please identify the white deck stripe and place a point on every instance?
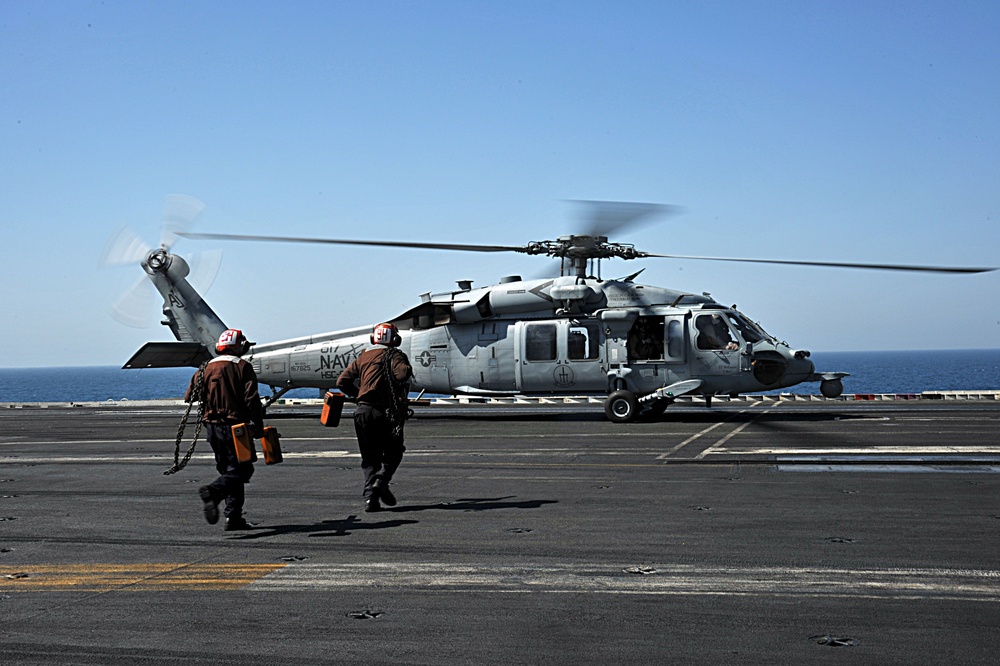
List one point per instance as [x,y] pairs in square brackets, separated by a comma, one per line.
[669,579]
[711,450]
[907,451]
[862,450]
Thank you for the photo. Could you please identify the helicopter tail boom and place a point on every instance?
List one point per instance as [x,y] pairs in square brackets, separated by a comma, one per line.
[193,323]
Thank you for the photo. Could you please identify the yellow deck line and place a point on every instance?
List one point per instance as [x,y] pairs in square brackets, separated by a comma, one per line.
[141,577]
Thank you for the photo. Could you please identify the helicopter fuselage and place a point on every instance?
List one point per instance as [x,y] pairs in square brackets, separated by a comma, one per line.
[567,335]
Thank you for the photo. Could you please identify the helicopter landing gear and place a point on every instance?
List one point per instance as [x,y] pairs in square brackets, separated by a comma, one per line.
[831,388]
[621,406]
[276,393]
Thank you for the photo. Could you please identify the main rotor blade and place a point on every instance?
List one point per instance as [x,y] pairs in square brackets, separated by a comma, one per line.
[518,248]
[340,241]
[836,264]
[603,218]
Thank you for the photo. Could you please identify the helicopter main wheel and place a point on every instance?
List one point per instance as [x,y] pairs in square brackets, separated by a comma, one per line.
[621,406]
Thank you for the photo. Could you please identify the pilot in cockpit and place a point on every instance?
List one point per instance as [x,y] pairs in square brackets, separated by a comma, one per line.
[713,333]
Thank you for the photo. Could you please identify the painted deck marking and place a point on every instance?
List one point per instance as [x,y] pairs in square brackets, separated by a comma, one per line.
[142,577]
[665,579]
[433,577]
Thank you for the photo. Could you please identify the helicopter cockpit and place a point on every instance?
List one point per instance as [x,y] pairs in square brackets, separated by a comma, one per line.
[714,333]
[724,329]
[750,330]
[662,337]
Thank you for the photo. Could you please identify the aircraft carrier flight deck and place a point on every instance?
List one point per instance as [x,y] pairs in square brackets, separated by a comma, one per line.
[757,531]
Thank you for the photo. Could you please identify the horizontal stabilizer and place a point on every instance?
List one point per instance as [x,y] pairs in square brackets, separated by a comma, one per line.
[168,355]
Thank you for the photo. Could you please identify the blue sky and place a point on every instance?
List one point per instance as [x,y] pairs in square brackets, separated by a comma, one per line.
[841,131]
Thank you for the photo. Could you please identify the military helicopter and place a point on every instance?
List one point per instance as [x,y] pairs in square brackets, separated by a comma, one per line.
[639,346]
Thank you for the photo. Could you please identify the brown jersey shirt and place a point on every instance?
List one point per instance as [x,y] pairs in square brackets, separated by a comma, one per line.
[230,392]
[364,379]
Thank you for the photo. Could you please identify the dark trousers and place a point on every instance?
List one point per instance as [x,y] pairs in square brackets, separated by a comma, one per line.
[381,451]
[233,474]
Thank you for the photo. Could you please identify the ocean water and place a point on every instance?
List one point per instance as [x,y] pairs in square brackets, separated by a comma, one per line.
[103,383]
[909,371]
[871,372]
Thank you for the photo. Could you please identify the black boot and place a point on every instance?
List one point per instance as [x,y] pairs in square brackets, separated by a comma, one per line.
[211,504]
[234,524]
[381,489]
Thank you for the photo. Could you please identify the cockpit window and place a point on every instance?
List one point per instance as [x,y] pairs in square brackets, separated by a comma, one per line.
[714,332]
[750,331]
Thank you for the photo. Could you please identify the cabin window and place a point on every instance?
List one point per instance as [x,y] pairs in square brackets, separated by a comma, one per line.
[582,343]
[540,342]
[675,339]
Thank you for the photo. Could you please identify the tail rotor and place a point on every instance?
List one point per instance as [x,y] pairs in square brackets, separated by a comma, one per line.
[135,307]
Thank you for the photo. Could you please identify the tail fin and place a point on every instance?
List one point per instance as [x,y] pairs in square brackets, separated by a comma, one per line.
[193,323]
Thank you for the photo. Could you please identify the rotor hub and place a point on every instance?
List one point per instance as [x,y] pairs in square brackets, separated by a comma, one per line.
[158,260]
[578,250]
[161,262]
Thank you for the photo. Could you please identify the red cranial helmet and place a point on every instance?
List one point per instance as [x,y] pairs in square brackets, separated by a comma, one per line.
[232,341]
[386,334]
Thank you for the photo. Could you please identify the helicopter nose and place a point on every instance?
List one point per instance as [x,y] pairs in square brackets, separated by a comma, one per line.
[799,366]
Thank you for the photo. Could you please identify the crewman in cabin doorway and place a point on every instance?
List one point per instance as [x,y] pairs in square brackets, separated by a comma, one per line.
[227,387]
[378,378]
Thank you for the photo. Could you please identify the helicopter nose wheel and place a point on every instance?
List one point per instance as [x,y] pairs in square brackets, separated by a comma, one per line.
[621,406]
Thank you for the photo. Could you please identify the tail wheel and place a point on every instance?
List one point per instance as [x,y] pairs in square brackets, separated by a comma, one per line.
[831,388]
[621,407]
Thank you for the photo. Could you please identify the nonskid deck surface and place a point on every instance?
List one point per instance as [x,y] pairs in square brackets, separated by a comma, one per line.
[523,534]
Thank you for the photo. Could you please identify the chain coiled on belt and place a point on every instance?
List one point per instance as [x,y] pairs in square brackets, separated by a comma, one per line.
[196,396]
[396,411]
